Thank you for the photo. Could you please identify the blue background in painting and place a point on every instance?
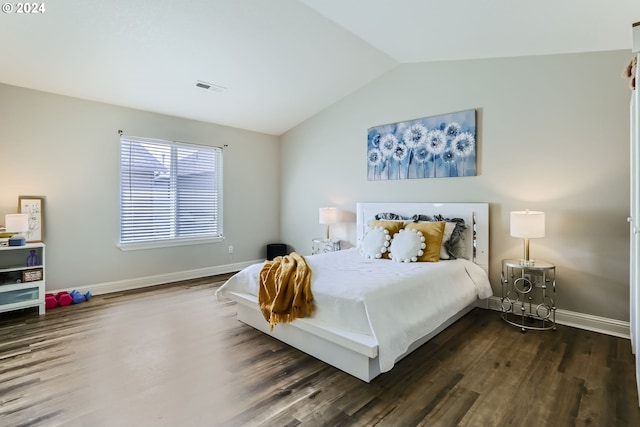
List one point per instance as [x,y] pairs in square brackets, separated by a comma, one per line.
[434,166]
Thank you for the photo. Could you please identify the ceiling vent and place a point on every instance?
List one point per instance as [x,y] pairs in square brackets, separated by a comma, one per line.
[210,86]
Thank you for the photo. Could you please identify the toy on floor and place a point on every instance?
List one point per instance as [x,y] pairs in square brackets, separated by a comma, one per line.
[50,301]
[79,297]
[64,298]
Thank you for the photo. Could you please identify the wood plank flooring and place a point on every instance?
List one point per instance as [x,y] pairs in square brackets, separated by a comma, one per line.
[173,355]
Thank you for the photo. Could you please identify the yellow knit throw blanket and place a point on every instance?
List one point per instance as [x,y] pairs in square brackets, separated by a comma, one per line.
[285,289]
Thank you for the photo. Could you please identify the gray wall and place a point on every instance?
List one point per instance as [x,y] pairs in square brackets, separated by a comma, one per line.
[67,150]
[553,135]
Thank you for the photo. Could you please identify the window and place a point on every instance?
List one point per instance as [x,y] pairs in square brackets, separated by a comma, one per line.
[170,193]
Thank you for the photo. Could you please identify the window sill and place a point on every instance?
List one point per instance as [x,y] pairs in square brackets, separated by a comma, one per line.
[168,243]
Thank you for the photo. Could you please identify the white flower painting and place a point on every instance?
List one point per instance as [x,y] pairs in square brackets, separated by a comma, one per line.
[431,147]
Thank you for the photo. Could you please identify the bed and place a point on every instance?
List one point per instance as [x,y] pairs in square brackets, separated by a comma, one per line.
[370,313]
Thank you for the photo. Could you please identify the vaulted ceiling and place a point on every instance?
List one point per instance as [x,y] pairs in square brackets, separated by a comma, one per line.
[279,61]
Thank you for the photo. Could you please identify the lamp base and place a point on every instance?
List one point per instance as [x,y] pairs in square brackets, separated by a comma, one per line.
[17,240]
[527,262]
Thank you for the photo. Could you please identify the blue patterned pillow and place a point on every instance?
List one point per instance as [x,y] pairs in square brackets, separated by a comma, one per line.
[389,216]
[420,217]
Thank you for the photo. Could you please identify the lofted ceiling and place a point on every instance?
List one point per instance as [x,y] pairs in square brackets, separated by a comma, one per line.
[281,61]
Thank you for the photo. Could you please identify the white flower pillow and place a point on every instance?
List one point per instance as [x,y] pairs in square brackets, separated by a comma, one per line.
[407,245]
[375,243]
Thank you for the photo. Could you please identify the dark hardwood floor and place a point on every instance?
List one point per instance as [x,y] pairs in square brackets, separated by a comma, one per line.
[173,355]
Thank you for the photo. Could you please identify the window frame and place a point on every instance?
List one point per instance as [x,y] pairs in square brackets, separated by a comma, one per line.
[172,241]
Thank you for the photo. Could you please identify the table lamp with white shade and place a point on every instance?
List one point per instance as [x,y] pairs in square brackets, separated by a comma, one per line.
[328,216]
[18,224]
[527,225]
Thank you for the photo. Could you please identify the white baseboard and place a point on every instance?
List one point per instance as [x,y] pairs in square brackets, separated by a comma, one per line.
[141,282]
[602,325]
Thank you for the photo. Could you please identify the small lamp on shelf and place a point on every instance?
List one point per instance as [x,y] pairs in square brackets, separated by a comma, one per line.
[17,223]
[328,216]
[527,225]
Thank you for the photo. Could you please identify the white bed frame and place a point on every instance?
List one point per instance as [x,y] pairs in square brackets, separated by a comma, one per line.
[354,353]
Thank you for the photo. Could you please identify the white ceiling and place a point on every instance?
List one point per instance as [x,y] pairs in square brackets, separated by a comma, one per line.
[282,61]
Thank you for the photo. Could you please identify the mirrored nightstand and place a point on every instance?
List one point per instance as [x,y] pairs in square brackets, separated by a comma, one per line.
[321,244]
[528,294]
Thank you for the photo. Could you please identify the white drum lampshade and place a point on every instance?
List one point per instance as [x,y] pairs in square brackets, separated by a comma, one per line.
[527,225]
[328,216]
[17,224]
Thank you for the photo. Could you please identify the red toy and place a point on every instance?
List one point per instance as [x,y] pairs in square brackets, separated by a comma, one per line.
[64,298]
[50,301]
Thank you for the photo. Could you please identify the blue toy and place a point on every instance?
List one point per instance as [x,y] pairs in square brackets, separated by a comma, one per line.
[78,297]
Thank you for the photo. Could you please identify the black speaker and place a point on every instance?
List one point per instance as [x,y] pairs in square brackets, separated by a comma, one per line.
[276,249]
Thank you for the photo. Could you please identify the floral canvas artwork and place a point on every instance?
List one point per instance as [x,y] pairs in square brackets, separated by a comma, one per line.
[431,147]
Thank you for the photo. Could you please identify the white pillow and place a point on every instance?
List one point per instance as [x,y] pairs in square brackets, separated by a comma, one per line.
[407,245]
[448,230]
[375,243]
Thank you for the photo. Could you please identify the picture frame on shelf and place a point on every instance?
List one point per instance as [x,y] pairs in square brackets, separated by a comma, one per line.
[34,207]
[32,275]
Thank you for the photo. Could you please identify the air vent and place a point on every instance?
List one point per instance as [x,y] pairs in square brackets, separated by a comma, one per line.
[210,86]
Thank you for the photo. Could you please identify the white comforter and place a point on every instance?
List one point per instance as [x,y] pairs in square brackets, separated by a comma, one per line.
[397,303]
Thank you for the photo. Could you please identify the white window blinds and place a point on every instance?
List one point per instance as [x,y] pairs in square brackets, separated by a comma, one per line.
[169,191]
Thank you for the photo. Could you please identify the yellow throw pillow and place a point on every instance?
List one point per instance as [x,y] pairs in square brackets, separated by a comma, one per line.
[432,232]
[391,226]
